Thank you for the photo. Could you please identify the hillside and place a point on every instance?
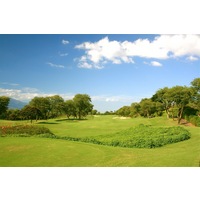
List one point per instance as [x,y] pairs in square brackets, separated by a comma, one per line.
[16,104]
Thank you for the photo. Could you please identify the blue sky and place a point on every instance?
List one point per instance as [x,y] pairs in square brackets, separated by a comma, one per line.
[115,70]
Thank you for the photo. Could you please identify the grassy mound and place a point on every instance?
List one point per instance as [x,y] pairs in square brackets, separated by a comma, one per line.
[142,136]
[24,131]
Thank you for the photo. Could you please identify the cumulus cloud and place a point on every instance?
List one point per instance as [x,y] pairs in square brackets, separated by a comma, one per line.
[21,94]
[156,64]
[107,98]
[162,47]
[153,63]
[65,42]
[85,63]
[102,51]
[55,65]
[192,58]
[27,93]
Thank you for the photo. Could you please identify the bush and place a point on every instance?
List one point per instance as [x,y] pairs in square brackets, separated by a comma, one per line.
[24,130]
[194,120]
[142,137]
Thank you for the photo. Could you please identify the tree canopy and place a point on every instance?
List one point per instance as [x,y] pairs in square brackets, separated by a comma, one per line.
[175,101]
[4,101]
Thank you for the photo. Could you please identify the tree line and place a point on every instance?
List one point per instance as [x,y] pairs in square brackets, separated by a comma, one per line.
[48,107]
[177,102]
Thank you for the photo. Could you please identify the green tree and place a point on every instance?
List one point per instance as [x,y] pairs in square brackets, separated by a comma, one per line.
[82,104]
[135,109]
[13,114]
[4,102]
[196,94]
[163,96]
[30,113]
[124,111]
[69,108]
[147,107]
[56,105]
[94,112]
[196,84]
[42,104]
[181,96]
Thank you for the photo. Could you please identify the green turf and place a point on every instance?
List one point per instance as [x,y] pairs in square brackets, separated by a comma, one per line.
[99,125]
[32,151]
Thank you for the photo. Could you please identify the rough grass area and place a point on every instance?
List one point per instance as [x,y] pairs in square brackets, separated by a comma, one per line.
[24,131]
[142,137]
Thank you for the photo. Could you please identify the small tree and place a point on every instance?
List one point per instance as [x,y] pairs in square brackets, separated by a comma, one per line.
[196,94]
[4,101]
[42,104]
[30,113]
[181,96]
[162,96]
[147,107]
[124,111]
[56,105]
[135,110]
[69,108]
[82,104]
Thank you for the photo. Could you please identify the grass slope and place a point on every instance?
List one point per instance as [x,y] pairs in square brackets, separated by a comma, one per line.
[17,151]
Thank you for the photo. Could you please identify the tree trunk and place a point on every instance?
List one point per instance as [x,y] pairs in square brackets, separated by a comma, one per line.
[167,112]
[180,112]
[173,114]
[79,115]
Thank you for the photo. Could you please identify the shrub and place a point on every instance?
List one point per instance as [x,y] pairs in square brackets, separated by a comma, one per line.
[194,120]
[142,137]
[24,130]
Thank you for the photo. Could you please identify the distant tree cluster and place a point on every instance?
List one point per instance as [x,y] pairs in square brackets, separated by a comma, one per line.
[79,106]
[4,101]
[176,102]
[48,107]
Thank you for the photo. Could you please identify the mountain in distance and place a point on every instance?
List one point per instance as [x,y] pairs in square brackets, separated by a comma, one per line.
[16,104]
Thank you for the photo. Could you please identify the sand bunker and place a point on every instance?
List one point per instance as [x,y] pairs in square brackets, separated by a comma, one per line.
[121,117]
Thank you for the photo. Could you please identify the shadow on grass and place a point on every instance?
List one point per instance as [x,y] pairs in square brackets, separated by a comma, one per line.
[70,120]
[47,123]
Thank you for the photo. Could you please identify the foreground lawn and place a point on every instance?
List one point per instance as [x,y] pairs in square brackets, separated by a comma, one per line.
[33,151]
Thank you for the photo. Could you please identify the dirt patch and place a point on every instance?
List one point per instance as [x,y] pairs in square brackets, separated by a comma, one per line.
[186,123]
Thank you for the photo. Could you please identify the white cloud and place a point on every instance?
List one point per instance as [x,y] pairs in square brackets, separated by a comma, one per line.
[109,98]
[29,90]
[102,51]
[55,65]
[192,58]
[63,54]
[27,93]
[65,42]
[156,64]
[84,63]
[162,47]
[11,84]
[18,94]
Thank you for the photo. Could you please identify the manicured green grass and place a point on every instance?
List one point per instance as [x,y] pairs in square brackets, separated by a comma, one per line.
[99,125]
[34,151]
